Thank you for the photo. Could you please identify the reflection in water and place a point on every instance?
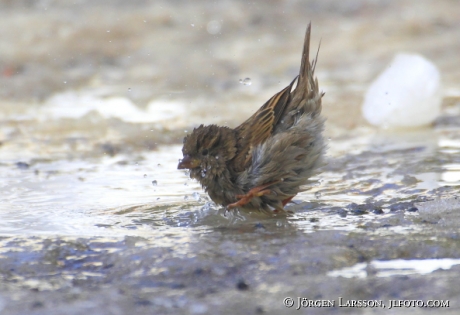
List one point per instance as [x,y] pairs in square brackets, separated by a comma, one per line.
[451,175]
[388,268]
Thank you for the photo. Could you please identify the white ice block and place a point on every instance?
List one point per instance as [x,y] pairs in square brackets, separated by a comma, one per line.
[406,94]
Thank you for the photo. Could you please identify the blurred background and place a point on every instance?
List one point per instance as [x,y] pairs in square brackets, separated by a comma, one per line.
[103,77]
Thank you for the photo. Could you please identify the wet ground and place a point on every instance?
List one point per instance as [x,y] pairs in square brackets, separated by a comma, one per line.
[95,98]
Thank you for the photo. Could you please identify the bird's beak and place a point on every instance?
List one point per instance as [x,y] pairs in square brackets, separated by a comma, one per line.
[188,162]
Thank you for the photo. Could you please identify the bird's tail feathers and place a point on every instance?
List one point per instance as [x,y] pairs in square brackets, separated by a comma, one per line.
[306,96]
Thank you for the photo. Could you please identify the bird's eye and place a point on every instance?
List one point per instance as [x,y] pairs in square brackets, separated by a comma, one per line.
[204,152]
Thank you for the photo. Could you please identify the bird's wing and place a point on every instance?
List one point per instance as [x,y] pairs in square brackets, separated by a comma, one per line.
[280,112]
[260,126]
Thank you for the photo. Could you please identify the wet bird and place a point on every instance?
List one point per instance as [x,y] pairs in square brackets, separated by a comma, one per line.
[263,163]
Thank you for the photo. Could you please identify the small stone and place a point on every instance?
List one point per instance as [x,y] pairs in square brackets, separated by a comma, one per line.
[241,285]
[22,165]
[342,213]
[357,209]
[409,180]
[259,226]
[37,304]
[400,206]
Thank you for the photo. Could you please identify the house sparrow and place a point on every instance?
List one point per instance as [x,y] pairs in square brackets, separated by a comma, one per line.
[262,164]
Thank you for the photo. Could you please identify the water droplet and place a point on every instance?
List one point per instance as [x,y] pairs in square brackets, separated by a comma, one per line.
[108,31]
[185,197]
[279,223]
[193,25]
[145,21]
[65,82]
[317,195]
[154,182]
[185,184]
[217,157]
[129,89]
[145,175]
[158,198]
[246,81]
[159,165]
[329,139]
[185,131]
[196,196]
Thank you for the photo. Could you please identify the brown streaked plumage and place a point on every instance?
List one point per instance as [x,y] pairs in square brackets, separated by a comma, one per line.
[262,164]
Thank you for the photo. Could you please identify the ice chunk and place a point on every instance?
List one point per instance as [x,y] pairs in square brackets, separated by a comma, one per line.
[76,104]
[406,94]
[162,110]
[445,212]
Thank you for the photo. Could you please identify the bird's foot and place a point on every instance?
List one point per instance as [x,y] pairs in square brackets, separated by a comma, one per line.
[254,192]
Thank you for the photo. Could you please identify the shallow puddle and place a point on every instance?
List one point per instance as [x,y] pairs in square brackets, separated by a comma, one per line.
[126,195]
[133,220]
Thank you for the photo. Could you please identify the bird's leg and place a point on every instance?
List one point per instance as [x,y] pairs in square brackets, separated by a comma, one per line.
[281,210]
[254,192]
[286,201]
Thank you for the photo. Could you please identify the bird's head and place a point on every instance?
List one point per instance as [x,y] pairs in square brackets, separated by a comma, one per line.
[207,149]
